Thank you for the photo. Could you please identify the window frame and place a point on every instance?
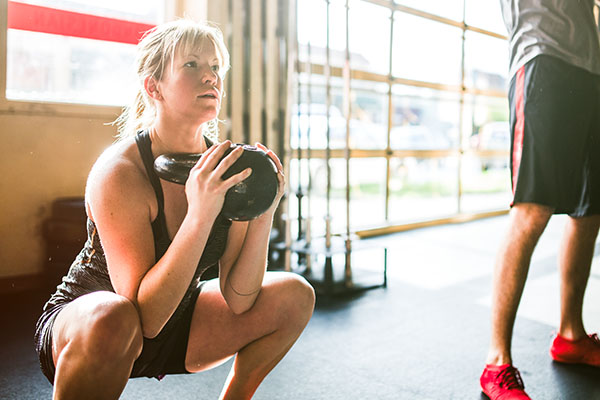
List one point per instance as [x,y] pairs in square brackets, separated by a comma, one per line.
[67,109]
[459,150]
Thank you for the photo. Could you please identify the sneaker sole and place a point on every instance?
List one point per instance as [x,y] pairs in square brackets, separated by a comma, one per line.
[566,360]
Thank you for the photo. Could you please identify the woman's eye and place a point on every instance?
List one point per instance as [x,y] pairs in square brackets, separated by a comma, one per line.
[191,64]
[215,68]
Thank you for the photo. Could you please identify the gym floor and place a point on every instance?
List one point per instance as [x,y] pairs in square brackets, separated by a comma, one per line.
[423,337]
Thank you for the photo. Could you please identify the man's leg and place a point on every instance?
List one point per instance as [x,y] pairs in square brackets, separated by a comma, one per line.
[572,344]
[500,379]
[527,222]
[575,261]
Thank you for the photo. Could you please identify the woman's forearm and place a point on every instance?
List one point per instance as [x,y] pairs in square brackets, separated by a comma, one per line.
[164,285]
[243,282]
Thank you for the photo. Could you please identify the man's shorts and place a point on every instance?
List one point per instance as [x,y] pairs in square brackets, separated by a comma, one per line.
[555,136]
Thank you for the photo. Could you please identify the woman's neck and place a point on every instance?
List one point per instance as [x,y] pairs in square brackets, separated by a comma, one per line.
[169,139]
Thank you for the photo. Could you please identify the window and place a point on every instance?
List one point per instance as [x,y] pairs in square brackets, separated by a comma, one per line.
[426,50]
[422,115]
[75,51]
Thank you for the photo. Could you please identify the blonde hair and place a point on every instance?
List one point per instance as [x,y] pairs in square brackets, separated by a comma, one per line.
[155,50]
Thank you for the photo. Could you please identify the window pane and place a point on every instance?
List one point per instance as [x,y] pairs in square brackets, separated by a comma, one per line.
[59,68]
[422,189]
[486,62]
[486,123]
[369,48]
[369,115]
[66,69]
[426,50]
[424,119]
[485,14]
[367,191]
[452,9]
[315,116]
[337,30]
[485,183]
[298,185]
[485,177]
[312,23]
[312,28]
[318,196]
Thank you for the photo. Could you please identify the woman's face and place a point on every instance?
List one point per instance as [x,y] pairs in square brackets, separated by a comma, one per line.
[191,86]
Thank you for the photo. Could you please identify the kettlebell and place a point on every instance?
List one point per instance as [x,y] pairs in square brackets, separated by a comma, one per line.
[246,200]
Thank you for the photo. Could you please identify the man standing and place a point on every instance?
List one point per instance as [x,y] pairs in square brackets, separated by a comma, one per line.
[554,101]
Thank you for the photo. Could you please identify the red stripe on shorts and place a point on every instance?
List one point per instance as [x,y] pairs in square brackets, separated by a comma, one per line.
[519,126]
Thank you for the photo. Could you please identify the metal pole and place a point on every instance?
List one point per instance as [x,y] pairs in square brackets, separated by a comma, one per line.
[307,233]
[328,142]
[347,109]
[299,193]
[288,46]
[460,115]
[388,151]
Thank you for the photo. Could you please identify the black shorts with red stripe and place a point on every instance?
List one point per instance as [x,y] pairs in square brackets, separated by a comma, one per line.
[555,132]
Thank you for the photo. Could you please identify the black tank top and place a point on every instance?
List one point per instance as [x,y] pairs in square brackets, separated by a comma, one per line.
[89,272]
[215,245]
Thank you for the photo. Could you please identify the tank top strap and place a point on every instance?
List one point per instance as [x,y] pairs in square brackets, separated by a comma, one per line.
[145,148]
[208,142]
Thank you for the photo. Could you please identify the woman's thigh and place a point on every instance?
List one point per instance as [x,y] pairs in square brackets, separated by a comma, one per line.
[286,300]
[102,316]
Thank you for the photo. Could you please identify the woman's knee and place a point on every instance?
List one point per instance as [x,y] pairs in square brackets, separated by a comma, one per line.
[297,296]
[113,330]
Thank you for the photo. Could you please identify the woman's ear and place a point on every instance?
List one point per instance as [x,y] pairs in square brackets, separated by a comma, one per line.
[151,87]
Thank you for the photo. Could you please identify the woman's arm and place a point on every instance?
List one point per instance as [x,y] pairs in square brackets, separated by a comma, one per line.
[243,265]
[121,201]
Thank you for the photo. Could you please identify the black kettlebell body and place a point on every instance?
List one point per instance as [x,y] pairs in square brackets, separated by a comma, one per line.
[244,201]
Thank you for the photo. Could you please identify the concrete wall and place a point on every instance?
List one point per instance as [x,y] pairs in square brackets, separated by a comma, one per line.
[43,157]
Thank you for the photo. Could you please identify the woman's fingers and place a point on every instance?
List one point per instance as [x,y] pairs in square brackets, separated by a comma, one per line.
[237,178]
[213,164]
[272,155]
[213,155]
[205,155]
[228,161]
[280,175]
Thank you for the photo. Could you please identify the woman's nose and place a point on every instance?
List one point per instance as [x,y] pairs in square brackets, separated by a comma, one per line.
[210,76]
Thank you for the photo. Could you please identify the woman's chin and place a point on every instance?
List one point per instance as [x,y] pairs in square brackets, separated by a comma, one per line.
[207,115]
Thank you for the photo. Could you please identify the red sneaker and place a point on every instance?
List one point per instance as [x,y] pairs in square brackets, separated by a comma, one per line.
[503,382]
[582,351]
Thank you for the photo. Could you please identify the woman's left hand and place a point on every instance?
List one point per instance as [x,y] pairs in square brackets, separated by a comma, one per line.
[280,178]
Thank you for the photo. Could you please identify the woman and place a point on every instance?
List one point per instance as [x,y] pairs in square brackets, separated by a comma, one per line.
[132,304]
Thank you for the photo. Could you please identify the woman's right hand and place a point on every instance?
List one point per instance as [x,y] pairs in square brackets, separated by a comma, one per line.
[205,189]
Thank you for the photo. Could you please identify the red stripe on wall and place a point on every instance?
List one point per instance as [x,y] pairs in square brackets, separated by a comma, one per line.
[519,126]
[34,18]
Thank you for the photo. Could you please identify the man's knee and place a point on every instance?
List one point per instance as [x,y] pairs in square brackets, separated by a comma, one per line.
[531,218]
[586,227]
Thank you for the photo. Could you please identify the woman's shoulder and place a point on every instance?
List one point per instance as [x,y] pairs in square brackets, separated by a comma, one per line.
[119,171]
[120,160]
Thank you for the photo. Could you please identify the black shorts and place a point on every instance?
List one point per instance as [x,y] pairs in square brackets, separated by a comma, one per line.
[555,136]
[162,355]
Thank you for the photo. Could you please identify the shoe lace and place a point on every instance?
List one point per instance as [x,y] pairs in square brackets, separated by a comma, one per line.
[510,378]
